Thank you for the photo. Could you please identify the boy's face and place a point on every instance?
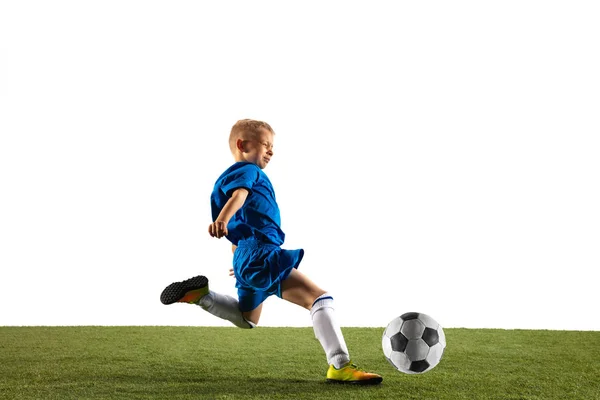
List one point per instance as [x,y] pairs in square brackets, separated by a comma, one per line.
[260,149]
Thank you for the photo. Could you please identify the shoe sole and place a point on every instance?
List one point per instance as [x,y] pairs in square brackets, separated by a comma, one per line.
[372,381]
[176,291]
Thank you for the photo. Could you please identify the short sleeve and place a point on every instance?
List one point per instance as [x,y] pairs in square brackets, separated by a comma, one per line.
[244,177]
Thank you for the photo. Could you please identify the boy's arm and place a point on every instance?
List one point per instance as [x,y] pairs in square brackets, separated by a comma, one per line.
[236,201]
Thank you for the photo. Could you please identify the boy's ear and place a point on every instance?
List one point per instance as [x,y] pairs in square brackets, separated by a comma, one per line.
[240,145]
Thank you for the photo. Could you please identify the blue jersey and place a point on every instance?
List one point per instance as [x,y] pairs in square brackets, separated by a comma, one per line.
[259,217]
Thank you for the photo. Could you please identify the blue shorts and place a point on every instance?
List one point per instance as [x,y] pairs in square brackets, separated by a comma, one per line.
[259,269]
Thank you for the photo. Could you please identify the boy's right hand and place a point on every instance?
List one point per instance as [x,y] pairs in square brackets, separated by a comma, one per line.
[218,229]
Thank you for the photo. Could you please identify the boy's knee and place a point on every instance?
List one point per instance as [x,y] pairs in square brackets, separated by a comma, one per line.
[251,319]
[250,324]
[316,295]
[310,298]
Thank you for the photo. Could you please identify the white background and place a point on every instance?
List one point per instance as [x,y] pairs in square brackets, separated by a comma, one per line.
[440,157]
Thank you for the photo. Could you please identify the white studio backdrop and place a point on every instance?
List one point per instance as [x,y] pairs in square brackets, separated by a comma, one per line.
[439,157]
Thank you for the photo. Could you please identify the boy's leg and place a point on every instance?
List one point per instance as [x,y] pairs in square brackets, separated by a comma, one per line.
[225,307]
[300,290]
[195,291]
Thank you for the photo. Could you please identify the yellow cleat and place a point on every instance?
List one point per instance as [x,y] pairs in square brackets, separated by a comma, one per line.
[351,374]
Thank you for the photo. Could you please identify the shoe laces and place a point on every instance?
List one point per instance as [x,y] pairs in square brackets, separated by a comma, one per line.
[354,366]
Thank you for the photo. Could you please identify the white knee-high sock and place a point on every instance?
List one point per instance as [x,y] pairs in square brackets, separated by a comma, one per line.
[225,307]
[328,331]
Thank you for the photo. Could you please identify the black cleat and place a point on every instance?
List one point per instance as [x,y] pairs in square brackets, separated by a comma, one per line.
[188,291]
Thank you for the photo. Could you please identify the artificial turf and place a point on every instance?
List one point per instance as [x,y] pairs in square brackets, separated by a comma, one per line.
[286,363]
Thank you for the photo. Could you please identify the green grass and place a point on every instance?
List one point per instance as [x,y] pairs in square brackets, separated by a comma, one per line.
[286,363]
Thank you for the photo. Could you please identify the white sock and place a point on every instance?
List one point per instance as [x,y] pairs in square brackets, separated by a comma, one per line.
[225,307]
[328,331]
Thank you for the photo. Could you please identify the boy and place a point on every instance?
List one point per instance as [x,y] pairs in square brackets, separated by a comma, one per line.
[244,210]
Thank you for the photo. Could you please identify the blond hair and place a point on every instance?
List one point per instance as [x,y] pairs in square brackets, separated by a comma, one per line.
[246,129]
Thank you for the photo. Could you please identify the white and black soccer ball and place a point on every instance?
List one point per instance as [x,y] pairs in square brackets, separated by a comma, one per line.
[413,343]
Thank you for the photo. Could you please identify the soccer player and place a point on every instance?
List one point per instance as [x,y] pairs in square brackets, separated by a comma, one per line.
[244,211]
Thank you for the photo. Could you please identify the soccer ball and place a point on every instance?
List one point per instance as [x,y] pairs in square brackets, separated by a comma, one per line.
[413,343]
